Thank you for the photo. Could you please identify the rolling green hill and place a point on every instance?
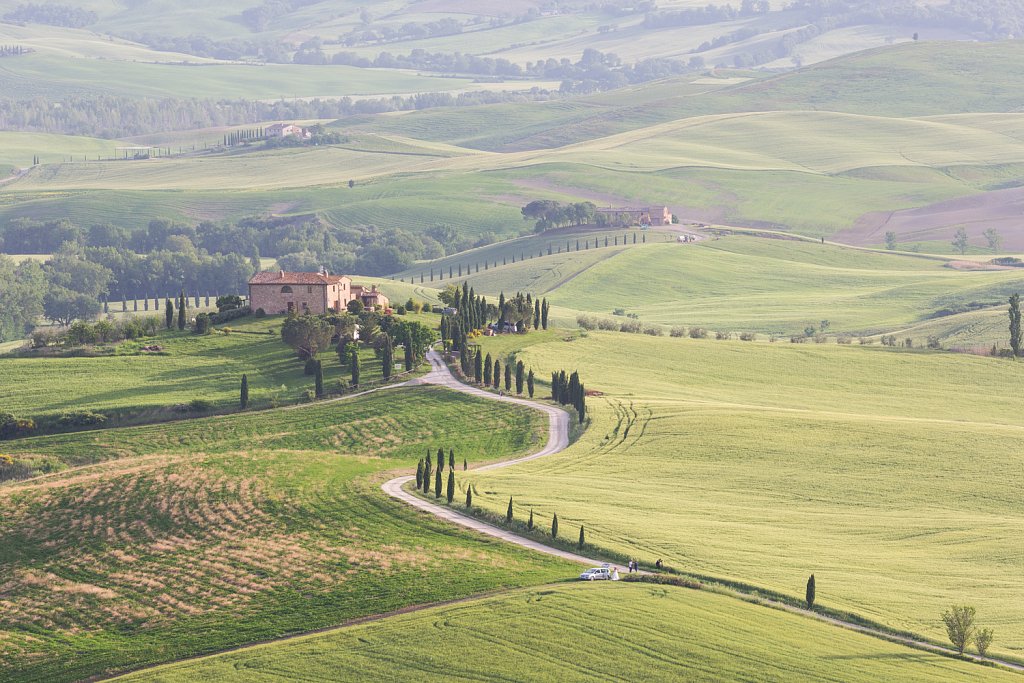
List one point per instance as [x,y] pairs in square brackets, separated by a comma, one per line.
[584,633]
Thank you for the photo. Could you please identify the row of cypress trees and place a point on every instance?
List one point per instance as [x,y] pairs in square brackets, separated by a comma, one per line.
[569,391]
[488,372]
[426,467]
[182,303]
[510,516]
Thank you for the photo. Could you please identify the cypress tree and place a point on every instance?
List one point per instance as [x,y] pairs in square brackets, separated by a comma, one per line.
[426,473]
[243,398]
[387,358]
[554,387]
[529,524]
[488,369]
[408,354]
[529,383]
[440,459]
[354,351]
[478,367]
[554,525]
[169,314]
[181,312]
[451,485]
[520,371]
[319,380]
[342,351]
[464,359]
[809,596]
[419,474]
[497,373]
[437,482]
[508,513]
[465,465]
[451,459]
[583,537]
[508,378]
[1015,336]
[581,408]
[544,314]
[469,497]
[536,314]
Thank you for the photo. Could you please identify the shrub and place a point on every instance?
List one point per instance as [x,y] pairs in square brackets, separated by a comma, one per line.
[619,311]
[654,331]
[746,336]
[260,313]
[400,310]
[844,340]
[698,333]
[200,405]
[934,343]
[81,418]
[631,327]
[11,469]
[202,324]
[820,339]
[982,640]
[797,340]
[607,325]
[586,322]
[865,341]
[230,314]
[229,302]
[678,332]
[12,426]
[722,335]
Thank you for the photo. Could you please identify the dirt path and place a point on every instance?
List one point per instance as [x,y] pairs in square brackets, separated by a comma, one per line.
[558,440]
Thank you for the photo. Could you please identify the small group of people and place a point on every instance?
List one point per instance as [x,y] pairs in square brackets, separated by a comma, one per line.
[634,566]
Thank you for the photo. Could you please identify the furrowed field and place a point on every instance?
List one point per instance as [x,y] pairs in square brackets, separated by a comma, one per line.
[889,474]
[210,533]
[584,633]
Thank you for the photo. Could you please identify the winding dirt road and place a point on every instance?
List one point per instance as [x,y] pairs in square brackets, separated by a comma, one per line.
[558,440]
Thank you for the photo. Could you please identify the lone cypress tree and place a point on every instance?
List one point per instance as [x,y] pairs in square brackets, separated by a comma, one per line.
[497,373]
[354,352]
[478,367]
[451,459]
[508,513]
[419,474]
[529,524]
[451,485]
[437,483]
[809,597]
[520,372]
[465,465]
[1015,338]
[508,377]
[181,311]
[243,397]
[529,383]
[554,525]
[319,380]
[169,314]
[387,362]
[469,497]
[583,537]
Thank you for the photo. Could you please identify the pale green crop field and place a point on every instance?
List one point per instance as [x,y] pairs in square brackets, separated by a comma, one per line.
[581,633]
[888,474]
[17,149]
[778,286]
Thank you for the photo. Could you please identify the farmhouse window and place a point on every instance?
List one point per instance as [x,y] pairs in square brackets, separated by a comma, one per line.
[286,290]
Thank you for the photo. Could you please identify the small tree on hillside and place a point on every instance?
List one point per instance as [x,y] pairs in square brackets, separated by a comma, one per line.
[508,378]
[451,485]
[427,466]
[243,398]
[983,639]
[554,525]
[960,241]
[959,621]
[437,483]
[488,370]
[469,497]
[497,373]
[809,595]
[520,376]
[354,352]
[890,240]
[169,314]
[993,238]
[508,513]
[419,474]
[451,459]
[1015,335]
[583,538]
[529,383]
[529,523]
[440,458]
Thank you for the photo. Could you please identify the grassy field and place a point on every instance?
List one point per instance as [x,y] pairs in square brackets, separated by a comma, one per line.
[584,633]
[218,532]
[883,472]
[191,367]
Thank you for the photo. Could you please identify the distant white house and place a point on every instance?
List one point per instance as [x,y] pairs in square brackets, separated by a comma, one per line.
[286,130]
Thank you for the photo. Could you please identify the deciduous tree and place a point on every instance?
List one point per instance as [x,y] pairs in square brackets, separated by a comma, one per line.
[959,621]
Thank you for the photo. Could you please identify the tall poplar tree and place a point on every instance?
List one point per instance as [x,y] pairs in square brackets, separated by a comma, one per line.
[427,466]
[440,459]
[554,525]
[451,459]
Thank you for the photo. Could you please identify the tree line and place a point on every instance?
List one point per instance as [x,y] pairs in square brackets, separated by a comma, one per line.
[51,14]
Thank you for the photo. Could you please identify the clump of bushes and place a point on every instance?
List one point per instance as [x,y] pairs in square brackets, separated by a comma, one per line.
[654,331]
[11,469]
[607,325]
[229,314]
[722,335]
[746,336]
[12,426]
[631,327]
[678,331]
[202,324]
[81,418]
[844,340]
[698,333]
[82,333]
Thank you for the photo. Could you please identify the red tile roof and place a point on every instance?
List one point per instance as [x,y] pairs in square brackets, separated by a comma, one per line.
[280,277]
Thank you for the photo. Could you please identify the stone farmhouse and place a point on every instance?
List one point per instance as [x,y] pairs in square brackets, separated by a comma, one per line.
[279,292]
[286,130]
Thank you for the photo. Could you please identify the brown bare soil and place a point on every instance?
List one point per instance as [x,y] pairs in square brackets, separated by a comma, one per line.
[999,209]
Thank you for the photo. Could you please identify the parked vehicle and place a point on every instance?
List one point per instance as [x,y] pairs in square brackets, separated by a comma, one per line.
[596,574]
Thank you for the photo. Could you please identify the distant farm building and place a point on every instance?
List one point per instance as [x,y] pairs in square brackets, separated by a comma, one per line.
[304,293]
[371,297]
[286,130]
[651,215]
